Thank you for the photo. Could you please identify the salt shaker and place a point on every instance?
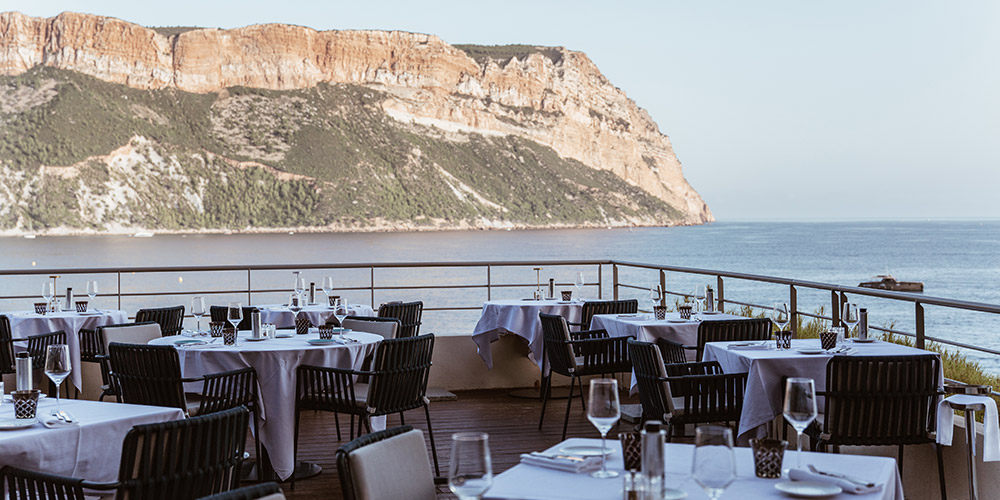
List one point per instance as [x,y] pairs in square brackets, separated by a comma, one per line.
[552,288]
[22,366]
[69,300]
[312,292]
[863,323]
[255,325]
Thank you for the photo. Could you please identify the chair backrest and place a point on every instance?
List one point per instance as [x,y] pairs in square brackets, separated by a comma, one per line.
[590,308]
[22,484]
[881,400]
[671,351]
[362,466]
[38,346]
[408,314]
[183,459]
[387,328]
[654,393]
[147,374]
[6,347]
[170,319]
[400,370]
[263,491]
[732,330]
[129,333]
[558,350]
[220,313]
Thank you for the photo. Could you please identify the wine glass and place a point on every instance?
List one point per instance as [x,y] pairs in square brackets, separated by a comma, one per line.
[578,283]
[655,295]
[714,464]
[299,284]
[235,314]
[779,314]
[470,472]
[340,312]
[198,309]
[295,305]
[850,317]
[328,287]
[603,411]
[57,366]
[48,291]
[800,408]
[92,291]
[699,297]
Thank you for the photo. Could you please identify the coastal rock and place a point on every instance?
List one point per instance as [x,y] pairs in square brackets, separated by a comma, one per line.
[553,96]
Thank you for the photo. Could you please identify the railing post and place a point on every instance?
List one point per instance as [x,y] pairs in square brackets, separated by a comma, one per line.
[371,285]
[920,324]
[600,281]
[793,314]
[614,278]
[489,282]
[720,294]
[119,273]
[835,305]
[663,288]
[249,298]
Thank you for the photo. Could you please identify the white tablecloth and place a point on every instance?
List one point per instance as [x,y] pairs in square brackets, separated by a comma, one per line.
[648,329]
[91,450]
[275,361]
[317,314]
[525,482]
[762,401]
[519,317]
[26,323]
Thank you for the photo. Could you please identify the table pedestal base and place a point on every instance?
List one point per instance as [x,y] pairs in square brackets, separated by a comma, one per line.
[303,470]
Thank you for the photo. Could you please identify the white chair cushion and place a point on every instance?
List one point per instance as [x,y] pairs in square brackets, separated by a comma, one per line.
[661,370]
[132,334]
[394,469]
[386,329]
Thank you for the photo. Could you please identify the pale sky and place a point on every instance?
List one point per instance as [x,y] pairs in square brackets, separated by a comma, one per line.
[778,110]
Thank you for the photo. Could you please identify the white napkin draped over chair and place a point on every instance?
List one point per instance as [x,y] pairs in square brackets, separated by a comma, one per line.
[991,424]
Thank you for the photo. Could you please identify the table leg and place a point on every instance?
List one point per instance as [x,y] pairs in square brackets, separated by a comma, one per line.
[970,441]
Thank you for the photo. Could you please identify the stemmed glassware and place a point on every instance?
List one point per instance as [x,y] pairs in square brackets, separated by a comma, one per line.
[699,298]
[300,286]
[714,463]
[340,312]
[850,317]
[328,287]
[198,310]
[800,408]
[57,366]
[92,292]
[470,473]
[603,411]
[48,291]
[578,283]
[295,305]
[655,296]
[779,314]
[235,314]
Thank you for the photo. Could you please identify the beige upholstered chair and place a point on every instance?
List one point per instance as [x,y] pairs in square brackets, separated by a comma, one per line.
[363,462]
[387,328]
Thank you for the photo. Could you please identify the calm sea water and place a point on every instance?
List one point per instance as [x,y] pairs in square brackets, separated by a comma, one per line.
[953,259]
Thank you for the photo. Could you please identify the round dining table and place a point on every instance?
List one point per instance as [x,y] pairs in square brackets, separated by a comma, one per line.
[26,323]
[520,317]
[318,314]
[275,360]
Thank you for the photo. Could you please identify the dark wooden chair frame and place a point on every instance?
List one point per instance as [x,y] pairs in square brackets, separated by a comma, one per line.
[253,492]
[170,319]
[221,313]
[409,315]
[592,307]
[730,330]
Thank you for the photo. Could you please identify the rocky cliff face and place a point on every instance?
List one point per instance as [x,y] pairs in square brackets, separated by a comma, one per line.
[557,98]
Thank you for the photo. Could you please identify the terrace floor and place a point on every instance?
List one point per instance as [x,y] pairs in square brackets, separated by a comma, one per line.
[512,424]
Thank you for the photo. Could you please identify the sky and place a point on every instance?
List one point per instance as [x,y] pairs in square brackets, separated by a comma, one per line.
[778,110]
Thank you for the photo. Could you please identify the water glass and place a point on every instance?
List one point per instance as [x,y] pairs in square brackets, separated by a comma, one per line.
[57,366]
[198,310]
[603,411]
[850,316]
[578,282]
[235,314]
[25,404]
[340,312]
[714,463]
[779,314]
[92,289]
[470,473]
[800,408]
[328,287]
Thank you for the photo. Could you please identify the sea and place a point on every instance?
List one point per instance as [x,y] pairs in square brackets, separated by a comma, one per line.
[954,259]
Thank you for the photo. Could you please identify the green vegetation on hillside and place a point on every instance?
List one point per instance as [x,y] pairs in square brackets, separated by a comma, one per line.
[502,54]
[327,155]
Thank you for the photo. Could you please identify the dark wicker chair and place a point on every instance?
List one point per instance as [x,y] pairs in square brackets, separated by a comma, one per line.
[576,355]
[151,375]
[384,449]
[881,401]
[39,344]
[178,460]
[101,356]
[704,393]
[398,382]
[6,347]
[672,352]
[254,492]
[408,314]
[170,319]
[590,308]
[731,330]
[219,313]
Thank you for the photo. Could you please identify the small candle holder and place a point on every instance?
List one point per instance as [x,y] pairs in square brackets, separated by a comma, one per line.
[828,339]
[215,328]
[302,326]
[229,336]
[631,449]
[685,311]
[81,306]
[660,312]
[567,295]
[41,307]
[326,332]
[767,457]
[25,404]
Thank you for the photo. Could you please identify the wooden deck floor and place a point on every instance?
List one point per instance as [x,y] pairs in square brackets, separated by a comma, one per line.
[512,424]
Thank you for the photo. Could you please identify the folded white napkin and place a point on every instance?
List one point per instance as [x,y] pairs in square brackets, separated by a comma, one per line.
[991,425]
[845,352]
[629,316]
[750,346]
[847,486]
[574,465]
[53,422]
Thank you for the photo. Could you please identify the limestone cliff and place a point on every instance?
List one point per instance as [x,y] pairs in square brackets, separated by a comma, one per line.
[556,97]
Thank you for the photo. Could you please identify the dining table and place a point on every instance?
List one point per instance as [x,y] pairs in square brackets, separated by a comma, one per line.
[26,323]
[275,360]
[766,368]
[647,328]
[318,314]
[532,482]
[89,449]
[519,317]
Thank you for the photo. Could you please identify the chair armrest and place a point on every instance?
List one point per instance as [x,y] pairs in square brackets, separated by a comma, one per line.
[608,354]
[597,333]
[229,389]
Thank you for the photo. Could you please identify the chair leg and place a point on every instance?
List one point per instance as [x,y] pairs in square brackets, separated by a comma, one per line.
[430,433]
[670,431]
[546,387]
[569,404]
[583,400]
[256,439]
[940,460]
[336,421]
[900,461]
[402,420]
[352,427]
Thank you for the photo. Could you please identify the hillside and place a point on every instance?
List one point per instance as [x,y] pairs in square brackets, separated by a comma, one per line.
[87,145]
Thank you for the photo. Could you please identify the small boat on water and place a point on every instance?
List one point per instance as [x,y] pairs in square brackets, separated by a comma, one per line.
[887,282]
